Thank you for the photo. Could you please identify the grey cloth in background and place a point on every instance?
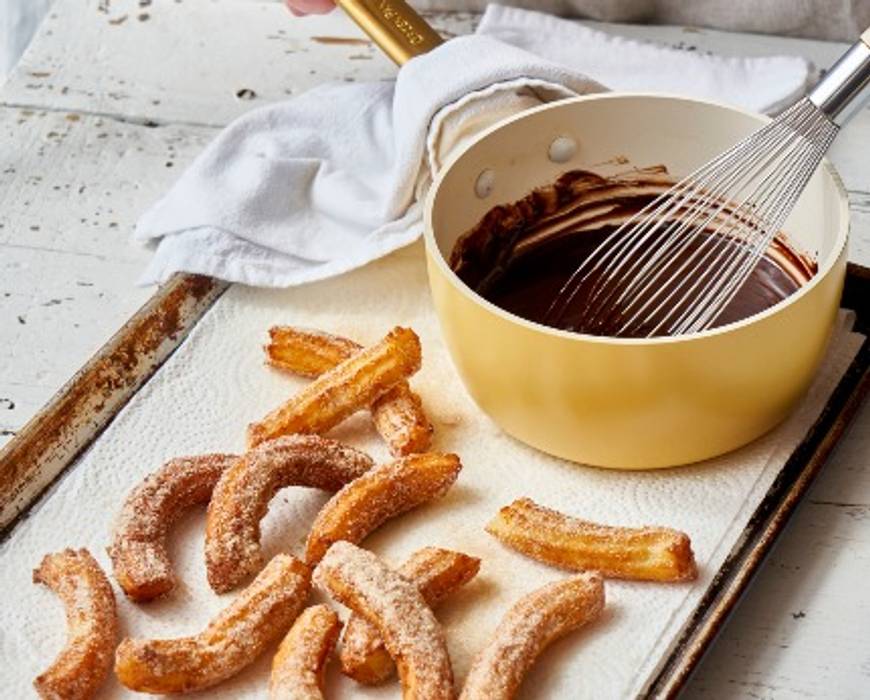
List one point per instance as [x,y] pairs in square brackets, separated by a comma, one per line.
[835,20]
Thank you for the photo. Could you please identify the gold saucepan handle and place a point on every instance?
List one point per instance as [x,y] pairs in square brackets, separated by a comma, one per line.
[394,26]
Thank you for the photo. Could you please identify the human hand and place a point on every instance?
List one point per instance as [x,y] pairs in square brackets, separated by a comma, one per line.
[309,7]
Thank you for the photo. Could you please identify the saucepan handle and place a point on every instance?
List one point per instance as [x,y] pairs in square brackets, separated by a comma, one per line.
[394,26]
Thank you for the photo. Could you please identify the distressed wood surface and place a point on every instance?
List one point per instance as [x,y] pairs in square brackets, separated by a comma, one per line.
[105,99]
[194,62]
[71,188]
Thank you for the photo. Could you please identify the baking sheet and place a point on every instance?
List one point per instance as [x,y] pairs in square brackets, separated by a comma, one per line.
[216,383]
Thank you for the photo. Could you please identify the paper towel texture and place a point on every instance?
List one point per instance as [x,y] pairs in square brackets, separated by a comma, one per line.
[201,401]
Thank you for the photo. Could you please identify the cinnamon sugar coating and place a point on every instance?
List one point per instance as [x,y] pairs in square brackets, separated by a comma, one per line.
[532,624]
[437,573]
[299,667]
[242,495]
[398,415]
[260,614]
[138,551]
[378,495]
[348,387]
[92,625]
[642,553]
[359,580]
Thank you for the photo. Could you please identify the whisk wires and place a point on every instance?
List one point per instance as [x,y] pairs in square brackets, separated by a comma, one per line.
[673,267]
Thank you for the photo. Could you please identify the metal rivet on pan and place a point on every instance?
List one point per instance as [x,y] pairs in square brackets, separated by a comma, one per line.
[562,149]
[484,183]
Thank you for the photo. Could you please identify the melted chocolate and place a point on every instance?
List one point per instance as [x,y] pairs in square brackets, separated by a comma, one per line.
[519,256]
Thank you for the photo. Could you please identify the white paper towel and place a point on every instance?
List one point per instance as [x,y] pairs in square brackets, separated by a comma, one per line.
[216,383]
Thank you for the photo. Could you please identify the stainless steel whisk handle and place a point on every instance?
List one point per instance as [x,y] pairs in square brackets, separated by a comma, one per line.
[846,86]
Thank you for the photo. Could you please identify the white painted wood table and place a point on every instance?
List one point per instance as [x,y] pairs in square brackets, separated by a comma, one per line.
[115,97]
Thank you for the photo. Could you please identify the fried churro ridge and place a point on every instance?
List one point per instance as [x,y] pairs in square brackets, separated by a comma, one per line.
[532,624]
[138,551]
[242,495]
[359,580]
[260,614]
[349,386]
[437,573]
[92,625]
[378,495]
[644,553]
[299,666]
[398,415]
[307,352]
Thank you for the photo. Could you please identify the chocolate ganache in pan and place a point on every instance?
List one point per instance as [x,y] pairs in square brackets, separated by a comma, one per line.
[520,255]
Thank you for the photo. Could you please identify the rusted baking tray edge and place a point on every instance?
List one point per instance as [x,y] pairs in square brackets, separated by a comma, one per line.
[773,513]
[82,409]
[84,406]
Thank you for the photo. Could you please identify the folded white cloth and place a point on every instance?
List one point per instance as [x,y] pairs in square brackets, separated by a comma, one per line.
[328,181]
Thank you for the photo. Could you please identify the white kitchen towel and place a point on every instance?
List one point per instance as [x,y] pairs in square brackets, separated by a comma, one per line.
[328,181]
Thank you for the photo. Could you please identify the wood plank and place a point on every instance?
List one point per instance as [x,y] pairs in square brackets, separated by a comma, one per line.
[859,243]
[193,62]
[800,631]
[71,189]
[87,57]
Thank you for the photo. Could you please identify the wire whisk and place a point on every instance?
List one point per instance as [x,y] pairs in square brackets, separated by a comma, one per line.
[677,264]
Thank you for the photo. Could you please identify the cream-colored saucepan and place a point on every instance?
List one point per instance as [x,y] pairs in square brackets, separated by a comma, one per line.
[620,403]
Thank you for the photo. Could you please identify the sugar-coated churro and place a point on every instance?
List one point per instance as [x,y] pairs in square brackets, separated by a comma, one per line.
[644,553]
[346,388]
[358,579]
[437,573]
[400,419]
[381,493]
[307,352]
[138,551]
[398,415]
[260,614]
[92,625]
[535,621]
[299,666]
[241,498]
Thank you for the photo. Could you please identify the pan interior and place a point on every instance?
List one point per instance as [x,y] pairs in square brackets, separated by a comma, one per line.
[615,132]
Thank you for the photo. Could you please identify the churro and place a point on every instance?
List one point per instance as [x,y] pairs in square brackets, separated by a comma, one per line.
[259,615]
[381,493]
[307,352]
[92,625]
[241,498]
[341,391]
[437,573]
[397,415]
[138,551]
[299,666]
[532,623]
[359,580]
[644,553]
